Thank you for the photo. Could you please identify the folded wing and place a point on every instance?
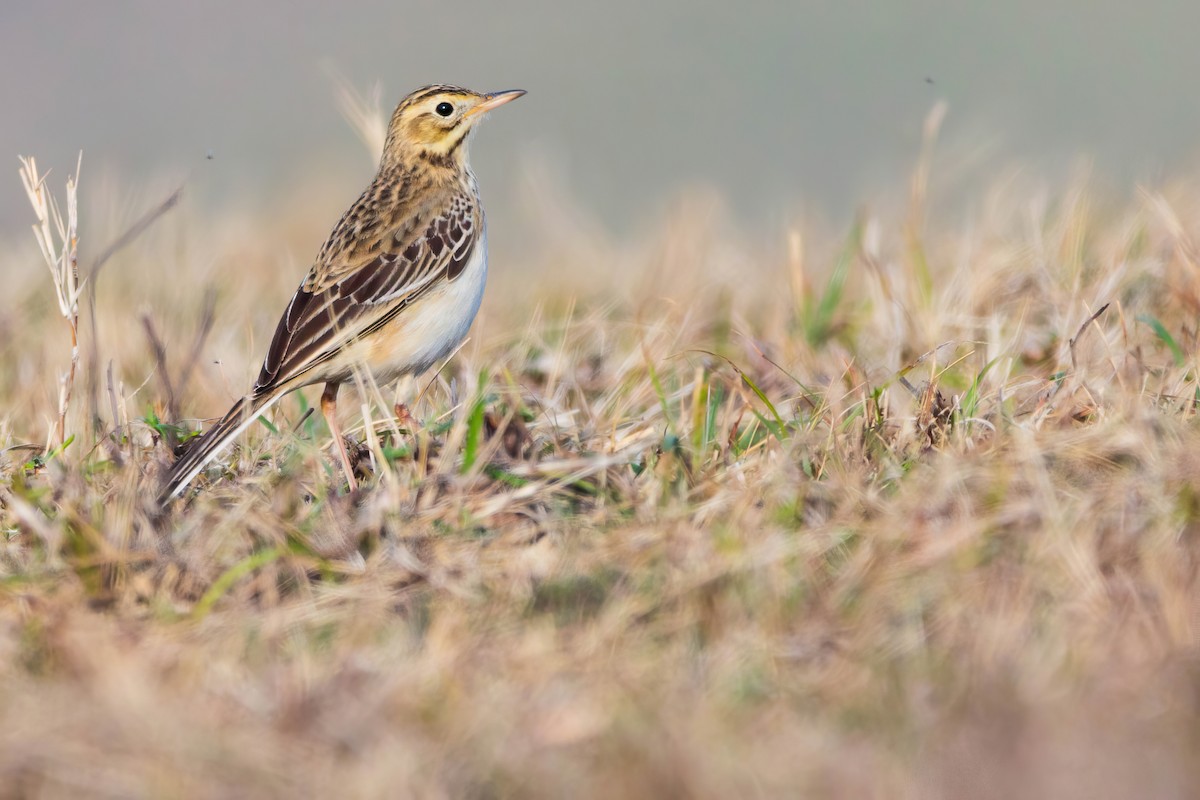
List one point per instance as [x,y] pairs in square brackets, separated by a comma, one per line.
[322,318]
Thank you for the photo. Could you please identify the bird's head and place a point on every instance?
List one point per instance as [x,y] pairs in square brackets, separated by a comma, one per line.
[434,123]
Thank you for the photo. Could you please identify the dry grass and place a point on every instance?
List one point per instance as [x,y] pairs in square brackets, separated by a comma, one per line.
[881,517]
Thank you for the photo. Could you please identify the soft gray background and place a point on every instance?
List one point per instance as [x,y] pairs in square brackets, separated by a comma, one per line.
[781,106]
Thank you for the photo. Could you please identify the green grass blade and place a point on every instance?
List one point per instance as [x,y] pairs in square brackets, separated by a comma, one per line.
[231,576]
[474,435]
[782,426]
[819,325]
[1165,336]
[970,401]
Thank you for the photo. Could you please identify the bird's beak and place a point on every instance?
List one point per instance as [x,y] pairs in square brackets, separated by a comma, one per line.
[495,100]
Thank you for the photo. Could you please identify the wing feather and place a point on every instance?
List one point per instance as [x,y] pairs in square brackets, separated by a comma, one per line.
[320,321]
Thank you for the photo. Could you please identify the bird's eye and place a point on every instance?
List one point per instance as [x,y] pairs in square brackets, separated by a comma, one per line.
[444,109]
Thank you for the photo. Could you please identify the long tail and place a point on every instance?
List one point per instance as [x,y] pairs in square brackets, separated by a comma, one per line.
[204,449]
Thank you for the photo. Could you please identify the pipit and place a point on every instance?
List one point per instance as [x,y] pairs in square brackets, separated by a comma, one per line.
[395,286]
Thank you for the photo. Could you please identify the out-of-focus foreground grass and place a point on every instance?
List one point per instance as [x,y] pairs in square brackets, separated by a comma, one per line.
[892,512]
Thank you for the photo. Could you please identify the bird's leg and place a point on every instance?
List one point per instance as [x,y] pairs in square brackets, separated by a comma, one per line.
[329,409]
[404,416]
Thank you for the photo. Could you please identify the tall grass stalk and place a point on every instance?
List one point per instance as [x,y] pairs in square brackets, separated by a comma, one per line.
[58,240]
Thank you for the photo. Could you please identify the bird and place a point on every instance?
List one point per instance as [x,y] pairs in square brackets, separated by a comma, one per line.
[397,283]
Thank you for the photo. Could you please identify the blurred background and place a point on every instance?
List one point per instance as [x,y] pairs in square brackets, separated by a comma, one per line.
[783,108]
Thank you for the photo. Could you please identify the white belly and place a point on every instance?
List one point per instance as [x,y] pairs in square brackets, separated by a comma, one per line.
[429,330]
